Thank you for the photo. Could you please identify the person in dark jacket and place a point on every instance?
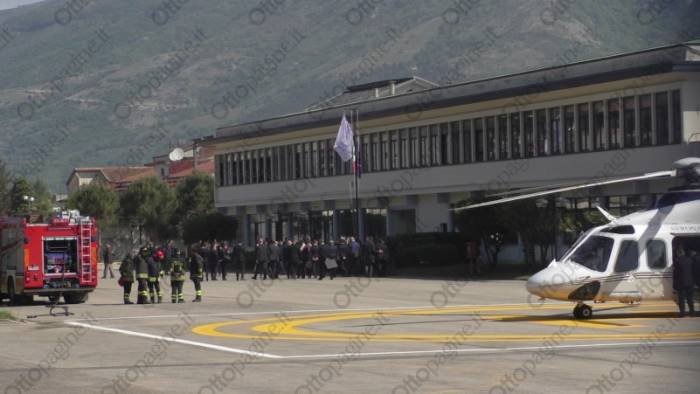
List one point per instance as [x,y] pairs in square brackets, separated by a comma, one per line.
[224,259]
[262,257]
[177,279]
[368,256]
[316,258]
[287,258]
[303,251]
[382,258]
[107,260]
[343,257]
[154,278]
[274,264]
[126,271]
[239,261]
[329,252]
[196,264]
[213,260]
[683,280]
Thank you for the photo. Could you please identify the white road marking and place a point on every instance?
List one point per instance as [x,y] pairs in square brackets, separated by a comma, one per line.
[176,340]
[492,350]
[306,311]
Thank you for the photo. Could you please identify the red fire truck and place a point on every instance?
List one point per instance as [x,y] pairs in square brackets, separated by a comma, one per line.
[53,259]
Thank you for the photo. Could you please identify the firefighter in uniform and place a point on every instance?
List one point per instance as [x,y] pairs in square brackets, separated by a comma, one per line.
[154,278]
[126,270]
[177,277]
[197,273]
[142,275]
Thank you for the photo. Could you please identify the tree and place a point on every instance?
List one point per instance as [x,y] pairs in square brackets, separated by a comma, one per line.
[195,196]
[95,201]
[5,185]
[150,205]
[43,201]
[485,225]
[20,189]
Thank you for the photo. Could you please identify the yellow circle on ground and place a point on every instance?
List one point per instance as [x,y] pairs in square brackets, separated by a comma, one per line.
[292,328]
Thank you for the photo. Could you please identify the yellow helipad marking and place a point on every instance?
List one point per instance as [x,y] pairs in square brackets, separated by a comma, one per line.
[293,329]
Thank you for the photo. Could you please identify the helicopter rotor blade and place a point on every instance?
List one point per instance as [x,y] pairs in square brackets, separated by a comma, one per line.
[650,175]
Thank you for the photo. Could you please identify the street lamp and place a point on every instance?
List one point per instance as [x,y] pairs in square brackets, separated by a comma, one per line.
[30,200]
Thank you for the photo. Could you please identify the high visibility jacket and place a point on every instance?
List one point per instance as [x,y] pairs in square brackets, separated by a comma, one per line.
[196,266]
[153,268]
[177,271]
[126,270]
[141,267]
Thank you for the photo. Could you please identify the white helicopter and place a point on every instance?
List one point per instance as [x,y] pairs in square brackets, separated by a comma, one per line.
[630,258]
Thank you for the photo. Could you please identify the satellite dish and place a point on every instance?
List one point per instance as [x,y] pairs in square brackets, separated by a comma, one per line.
[177,154]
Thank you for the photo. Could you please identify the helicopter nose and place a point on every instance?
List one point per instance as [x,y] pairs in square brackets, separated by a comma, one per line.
[534,284]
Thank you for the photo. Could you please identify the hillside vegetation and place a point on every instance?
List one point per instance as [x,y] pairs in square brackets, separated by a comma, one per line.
[90,83]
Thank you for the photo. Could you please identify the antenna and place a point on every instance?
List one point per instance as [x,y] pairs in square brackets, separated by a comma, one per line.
[177,154]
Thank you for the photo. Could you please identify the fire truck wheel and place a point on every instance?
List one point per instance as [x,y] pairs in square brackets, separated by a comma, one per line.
[16,299]
[75,298]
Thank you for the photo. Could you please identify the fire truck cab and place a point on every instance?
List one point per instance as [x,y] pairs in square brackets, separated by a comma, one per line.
[53,259]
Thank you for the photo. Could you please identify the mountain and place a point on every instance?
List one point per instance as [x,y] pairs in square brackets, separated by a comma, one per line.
[99,82]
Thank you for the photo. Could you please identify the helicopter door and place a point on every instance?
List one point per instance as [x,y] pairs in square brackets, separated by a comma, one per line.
[626,266]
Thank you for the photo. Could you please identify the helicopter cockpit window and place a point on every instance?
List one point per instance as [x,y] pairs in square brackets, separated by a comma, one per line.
[656,254]
[627,257]
[594,253]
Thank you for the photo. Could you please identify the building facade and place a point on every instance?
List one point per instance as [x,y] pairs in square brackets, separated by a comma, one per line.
[424,149]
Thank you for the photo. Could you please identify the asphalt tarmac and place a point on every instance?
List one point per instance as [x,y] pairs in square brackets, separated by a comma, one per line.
[354,335]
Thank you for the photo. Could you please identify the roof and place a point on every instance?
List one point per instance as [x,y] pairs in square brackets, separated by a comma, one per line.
[606,69]
[115,174]
[375,90]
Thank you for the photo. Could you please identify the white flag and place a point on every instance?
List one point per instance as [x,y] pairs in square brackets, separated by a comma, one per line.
[344,143]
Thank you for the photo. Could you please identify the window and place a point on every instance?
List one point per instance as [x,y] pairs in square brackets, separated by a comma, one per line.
[375,145]
[424,147]
[541,119]
[366,154]
[330,158]
[593,253]
[234,169]
[628,119]
[434,150]
[555,131]
[598,125]
[491,138]
[583,129]
[454,137]
[298,162]
[444,157]
[384,150]
[395,150]
[322,163]
[467,140]
[415,148]
[656,254]
[676,116]
[262,168]
[220,175]
[569,130]
[645,120]
[405,149]
[515,135]
[528,130]
[627,257]
[661,118]
[614,124]
[269,171]
[503,137]
[479,139]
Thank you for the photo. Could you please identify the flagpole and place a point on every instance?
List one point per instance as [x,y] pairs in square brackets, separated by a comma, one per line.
[358,164]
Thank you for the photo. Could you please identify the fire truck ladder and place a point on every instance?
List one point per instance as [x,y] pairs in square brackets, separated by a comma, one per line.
[85,250]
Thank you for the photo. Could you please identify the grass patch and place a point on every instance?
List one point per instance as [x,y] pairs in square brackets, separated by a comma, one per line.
[4,315]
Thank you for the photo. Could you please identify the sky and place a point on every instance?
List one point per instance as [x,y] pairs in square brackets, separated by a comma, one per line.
[6,4]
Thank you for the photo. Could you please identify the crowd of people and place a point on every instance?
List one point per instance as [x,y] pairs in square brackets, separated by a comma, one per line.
[304,258]
[301,259]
